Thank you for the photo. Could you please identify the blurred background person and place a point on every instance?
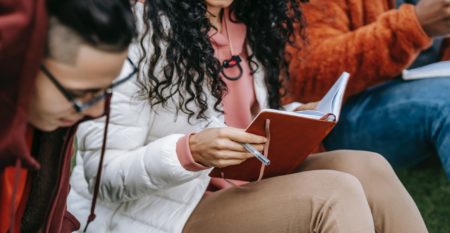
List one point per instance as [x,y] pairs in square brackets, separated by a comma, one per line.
[405,121]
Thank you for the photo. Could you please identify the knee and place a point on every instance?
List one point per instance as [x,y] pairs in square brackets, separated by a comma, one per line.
[441,111]
[347,182]
[363,163]
[377,163]
[326,182]
[346,185]
[373,165]
[433,109]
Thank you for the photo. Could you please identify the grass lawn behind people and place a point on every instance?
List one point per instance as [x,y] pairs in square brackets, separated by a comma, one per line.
[430,189]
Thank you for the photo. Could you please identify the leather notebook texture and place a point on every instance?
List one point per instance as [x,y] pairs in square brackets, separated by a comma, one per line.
[293,136]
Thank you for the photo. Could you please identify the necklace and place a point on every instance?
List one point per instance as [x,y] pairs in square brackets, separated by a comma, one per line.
[234,61]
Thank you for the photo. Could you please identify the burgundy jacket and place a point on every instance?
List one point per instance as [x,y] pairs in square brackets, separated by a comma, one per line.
[45,207]
[23,27]
[23,31]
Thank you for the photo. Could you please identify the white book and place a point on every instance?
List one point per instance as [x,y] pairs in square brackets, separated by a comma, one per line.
[330,104]
[332,101]
[434,70]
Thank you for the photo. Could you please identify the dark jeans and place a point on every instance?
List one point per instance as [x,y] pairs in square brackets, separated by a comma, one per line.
[405,121]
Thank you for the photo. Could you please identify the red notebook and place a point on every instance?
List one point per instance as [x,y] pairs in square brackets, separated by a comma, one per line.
[293,136]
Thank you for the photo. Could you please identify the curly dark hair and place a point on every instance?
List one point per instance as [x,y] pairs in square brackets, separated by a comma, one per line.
[189,62]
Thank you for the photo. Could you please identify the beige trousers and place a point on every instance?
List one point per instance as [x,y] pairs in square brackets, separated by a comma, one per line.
[339,192]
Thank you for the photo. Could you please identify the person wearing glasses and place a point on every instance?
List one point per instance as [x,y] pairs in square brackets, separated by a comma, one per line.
[86,47]
[84,101]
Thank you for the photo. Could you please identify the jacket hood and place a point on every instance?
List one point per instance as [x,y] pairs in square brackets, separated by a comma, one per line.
[23,27]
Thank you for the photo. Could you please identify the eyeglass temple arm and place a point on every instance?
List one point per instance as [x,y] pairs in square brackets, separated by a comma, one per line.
[56,83]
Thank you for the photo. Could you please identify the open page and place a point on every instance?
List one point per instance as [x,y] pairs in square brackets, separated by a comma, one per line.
[332,101]
[435,70]
[308,113]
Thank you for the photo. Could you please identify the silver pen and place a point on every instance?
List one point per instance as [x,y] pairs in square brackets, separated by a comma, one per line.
[247,146]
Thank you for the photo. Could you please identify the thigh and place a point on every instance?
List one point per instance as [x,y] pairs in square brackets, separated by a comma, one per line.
[371,169]
[313,201]
[392,207]
[394,119]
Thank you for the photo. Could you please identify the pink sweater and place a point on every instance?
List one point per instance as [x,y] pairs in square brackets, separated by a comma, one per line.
[237,102]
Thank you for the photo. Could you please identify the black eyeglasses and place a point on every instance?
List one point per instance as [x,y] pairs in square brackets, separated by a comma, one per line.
[81,103]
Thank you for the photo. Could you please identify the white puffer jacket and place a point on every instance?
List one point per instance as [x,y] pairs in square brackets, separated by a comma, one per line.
[143,188]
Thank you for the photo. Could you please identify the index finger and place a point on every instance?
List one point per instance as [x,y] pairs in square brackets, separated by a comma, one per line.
[239,135]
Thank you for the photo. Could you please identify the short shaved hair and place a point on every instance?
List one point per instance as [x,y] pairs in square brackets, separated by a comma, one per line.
[63,43]
[104,25]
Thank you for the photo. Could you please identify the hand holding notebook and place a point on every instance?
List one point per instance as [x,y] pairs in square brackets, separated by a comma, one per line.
[293,135]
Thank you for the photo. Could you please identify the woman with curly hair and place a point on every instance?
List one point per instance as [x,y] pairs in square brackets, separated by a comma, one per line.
[204,61]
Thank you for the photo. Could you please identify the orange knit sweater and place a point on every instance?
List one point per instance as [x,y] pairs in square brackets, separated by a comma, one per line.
[369,39]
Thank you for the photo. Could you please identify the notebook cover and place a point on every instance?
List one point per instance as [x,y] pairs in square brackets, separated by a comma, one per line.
[293,138]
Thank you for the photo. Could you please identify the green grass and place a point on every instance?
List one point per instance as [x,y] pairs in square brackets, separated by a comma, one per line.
[430,188]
